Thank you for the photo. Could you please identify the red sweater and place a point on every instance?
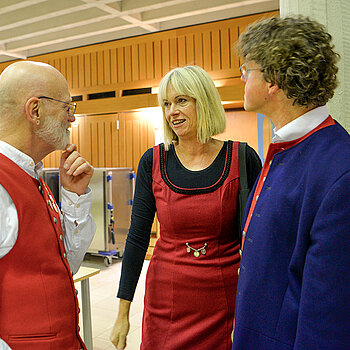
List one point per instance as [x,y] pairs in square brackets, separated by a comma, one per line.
[38,303]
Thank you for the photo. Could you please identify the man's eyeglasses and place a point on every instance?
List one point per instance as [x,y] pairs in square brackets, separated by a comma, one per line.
[245,71]
[72,106]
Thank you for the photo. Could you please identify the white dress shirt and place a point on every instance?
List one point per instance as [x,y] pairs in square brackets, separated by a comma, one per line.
[77,223]
[301,126]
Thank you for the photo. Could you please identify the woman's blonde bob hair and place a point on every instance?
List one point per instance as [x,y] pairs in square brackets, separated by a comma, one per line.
[194,82]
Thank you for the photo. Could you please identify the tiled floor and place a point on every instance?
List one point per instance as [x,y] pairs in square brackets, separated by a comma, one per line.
[104,304]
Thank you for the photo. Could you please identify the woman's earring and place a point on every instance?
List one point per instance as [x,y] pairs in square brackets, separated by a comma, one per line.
[37,121]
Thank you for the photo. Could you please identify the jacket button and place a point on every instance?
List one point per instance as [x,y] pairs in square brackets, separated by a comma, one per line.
[55,220]
[76,291]
[65,255]
[61,238]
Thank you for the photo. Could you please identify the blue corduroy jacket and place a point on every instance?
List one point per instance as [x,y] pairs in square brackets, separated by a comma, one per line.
[294,283]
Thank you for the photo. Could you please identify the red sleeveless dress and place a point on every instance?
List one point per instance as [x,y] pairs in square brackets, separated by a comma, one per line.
[192,277]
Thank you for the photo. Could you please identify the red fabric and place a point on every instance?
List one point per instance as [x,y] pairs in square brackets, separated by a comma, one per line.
[39,308]
[189,301]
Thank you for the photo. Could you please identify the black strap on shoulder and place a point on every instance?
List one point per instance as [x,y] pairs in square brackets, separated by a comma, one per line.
[244,190]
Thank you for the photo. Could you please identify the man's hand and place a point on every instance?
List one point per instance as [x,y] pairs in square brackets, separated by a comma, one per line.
[75,171]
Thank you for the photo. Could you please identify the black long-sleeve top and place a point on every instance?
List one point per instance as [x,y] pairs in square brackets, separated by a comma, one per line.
[144,207]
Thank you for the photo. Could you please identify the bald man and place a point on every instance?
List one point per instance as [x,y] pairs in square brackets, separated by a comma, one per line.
[40,247]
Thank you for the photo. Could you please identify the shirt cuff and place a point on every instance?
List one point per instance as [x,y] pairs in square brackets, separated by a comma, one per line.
[74,205]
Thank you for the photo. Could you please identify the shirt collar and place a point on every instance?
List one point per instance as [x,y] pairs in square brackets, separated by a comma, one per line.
[301,126]
[25,162]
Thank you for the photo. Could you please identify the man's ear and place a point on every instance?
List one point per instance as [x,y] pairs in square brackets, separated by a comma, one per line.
[272,89]
[32,110]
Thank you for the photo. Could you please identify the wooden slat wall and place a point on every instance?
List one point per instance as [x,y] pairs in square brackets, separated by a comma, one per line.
[143,61]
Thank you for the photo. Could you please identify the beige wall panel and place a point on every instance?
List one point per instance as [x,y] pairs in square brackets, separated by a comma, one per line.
[149,61]
[121,65]
[75,72]
[100,68]
[107,67]
[69,71]
[64,66]
[158,70]
[165,56]
[136,149]
[241,126]
[94,71]
[234,58]
[173,53]
[127,64]
[181,51]
[225,49]
[113,66]
[189,50]
[81,72]
[87,70]
[135,62]
[198,49]
[142,62]
[122,140]
[207,51]
[216,50]
[129,143]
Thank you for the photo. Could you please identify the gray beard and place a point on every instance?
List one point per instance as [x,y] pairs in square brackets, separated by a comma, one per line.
[53,133]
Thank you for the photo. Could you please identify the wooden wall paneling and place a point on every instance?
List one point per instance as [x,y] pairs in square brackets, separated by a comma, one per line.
[115,131]
[189,49]
[165,56]
[142,61]
[87,69]
[149,61]
[107,67]
[158,65]
[101,156]
[182,48]
[114,66]
[84,137]
[128,64]
[94,144]
[136,146]
[120,64]
[225,49]
[81,71]
[129,143]
[64,66]
[94,71]
[207,51]
[122,140]
[108,142]
[173,53]
[100,68]
[75,72]
[69,71]
[234,33]
[57,63]
[216,50]
[135,62]
[198,49]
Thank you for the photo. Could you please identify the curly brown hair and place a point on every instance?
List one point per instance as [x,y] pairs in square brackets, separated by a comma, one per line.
[295,53]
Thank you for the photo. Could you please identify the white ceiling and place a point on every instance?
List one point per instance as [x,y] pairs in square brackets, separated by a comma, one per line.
[33,27]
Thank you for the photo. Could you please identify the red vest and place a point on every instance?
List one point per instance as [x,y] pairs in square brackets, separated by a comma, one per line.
[38,303]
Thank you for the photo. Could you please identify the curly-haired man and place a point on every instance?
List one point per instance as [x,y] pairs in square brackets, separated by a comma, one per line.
[294,283]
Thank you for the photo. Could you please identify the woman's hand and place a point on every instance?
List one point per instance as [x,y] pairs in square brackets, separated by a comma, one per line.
[121,326]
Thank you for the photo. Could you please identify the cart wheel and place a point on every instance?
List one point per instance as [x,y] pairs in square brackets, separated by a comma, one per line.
[120,254]
[108,260]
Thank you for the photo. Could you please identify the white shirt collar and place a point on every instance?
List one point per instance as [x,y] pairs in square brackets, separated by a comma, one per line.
[21,159]
[301,126]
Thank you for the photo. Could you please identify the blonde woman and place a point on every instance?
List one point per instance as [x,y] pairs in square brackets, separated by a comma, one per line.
[192,182]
